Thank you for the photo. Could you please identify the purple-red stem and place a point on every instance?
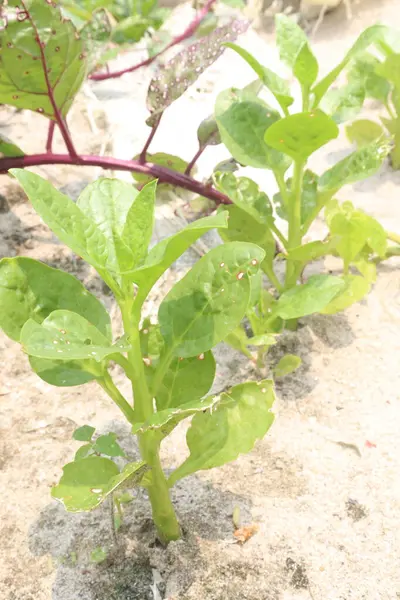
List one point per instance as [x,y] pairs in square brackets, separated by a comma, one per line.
[57,114]
[163,174]
[50,135]
[194,160]
[190,29]
[143,154]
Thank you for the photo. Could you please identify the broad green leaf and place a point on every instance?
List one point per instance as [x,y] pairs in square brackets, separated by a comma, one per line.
[107,202]
[264,339]
[302,134]
[139,224]
[166,420]
[86,483]
[30,289]
[179,73]
[368,37]
[363,132]
[107,444]
[290,39]
[67,335]
[390,69]
[186,379]
[65,373]
[279,87]
[163,160]
[207,133]
[311,251]
[287,364]
[217,436]
[84,433]
[8,148]
[65,219]
[305,68]
[96,34]
[166,252]
[343,104]
[130,30]
[242,121]
[158,42]
[309,196]
[356,288]
[308,298]
[42,57]
[357,166]
[210,301]
[238,340]
[83,451]
[245,194]
[366,268]
[242,227]
[363,71]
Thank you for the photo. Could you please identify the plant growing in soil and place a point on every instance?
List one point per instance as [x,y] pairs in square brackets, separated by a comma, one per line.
[265,137]
[66,332]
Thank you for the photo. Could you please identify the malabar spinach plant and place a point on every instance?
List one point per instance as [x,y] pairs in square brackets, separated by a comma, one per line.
[270,136]
[66,333]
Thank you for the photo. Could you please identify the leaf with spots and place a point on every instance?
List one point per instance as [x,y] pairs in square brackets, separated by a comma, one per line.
[42,60]
[210,301]
[87,482]
[245,194]
[65,335]
[179,73]
[219,435]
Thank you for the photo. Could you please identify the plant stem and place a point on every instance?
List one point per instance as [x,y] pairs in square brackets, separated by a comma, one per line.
[163,174]
[295,233]
[194,160]
[164,516]
[282,188]
[50,135]
[393,237]
[177,40]
[143,154]
[109,386]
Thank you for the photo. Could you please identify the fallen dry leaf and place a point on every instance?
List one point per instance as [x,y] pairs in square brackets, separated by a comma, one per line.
[243,534]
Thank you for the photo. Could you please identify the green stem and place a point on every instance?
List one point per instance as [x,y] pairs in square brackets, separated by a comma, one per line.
[295,232]
[391,113]
[278,234]
[279,178]
[393,237]
[110,388]
[270,273]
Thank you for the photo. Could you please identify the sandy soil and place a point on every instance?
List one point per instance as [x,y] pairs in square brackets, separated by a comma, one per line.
[323,486]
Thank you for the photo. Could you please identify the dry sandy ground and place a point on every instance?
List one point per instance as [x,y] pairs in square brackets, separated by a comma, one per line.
[323,486]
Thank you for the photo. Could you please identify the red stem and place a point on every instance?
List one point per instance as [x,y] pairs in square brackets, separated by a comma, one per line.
[50,135]
[163,174]
[57,114]
[194,160]
[190,29]
[143,154]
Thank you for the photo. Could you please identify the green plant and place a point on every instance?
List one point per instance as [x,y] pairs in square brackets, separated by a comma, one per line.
[263,136]
[66,332]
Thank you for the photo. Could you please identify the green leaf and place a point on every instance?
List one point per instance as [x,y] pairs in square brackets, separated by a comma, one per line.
[166,252]
[107,444]
[158,42]
[309,196]
[264,339]
[343,104]
[309,298]
[139,224]
[96,34]
[242,120]
[65,219]
[65,373]
[107,202]
[357,166]
[290,39]
[356,288]
[369,36]
[98,555]
[87,482]
[166,420]
[363,132]
[8,148]
[179,73]
[163,160]
[238,340]
[30,289]
[186,379]
[210,301]
[83,451]
[311,251]
[67,335]
[35,42]
[217,436]
[302,134]
[305,68]
[234,3]
[245,194]
[208,134]
[287,365]
[279,87]
[130,30]
[84,433]
[363,71]
[390,69]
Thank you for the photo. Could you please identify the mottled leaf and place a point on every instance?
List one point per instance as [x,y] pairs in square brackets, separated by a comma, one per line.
[343,104]
[290,39]
[246,194]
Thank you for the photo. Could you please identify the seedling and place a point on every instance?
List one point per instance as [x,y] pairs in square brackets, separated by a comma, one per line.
[66,333]
[263,136]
